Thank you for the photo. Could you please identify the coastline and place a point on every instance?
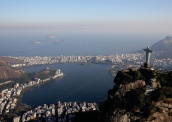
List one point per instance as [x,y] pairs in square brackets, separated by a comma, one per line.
[21,107]
[20,97]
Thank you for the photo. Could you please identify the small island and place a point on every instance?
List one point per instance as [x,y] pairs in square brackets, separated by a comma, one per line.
[37,42]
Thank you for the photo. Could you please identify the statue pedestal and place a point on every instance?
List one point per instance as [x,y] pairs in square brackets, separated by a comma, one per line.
[146,65]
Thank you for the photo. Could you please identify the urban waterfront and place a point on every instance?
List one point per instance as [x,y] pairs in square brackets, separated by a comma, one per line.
[81,83]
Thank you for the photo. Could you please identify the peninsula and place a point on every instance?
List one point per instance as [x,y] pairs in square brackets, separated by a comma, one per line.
[10,101]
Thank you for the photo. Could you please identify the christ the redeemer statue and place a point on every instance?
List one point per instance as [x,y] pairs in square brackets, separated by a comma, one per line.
[148,51]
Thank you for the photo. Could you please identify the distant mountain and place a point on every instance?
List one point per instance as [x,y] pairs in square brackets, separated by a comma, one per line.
[164,46]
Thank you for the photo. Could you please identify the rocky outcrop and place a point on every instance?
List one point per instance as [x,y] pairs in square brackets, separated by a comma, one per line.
[121,118]
[161,117]
[132,104]
[137,84]
[153,83]
[124,88]
[165,105]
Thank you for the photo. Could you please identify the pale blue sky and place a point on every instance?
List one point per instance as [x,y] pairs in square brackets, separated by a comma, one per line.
[153,16]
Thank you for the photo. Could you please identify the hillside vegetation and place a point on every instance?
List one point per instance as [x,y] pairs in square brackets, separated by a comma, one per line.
[128,101]
[26,77]
[7,71]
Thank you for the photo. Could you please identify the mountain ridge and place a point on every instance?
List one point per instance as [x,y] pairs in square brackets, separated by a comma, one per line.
[164,46]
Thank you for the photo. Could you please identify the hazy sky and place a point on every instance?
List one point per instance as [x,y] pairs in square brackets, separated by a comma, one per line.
[120,16]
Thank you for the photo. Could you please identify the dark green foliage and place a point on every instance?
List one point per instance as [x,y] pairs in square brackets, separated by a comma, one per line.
[122,78]
[107,109]
[113,91]
[146,75]
[23,79]
[131,76]
[148,109]
[43,75]
[127,77]
[139,120]
[91,116]
[136,101]
[135,74]
[135,98]
[163,79]
[132,100]
[162,93]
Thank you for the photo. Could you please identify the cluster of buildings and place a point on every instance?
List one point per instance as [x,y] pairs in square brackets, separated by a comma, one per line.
[8,100]
[37,60]
[6,82]
[46,112]
[60,112]
[8,97]
[68,109]
[134,59]
[18,65]
[58,74]
[120,58]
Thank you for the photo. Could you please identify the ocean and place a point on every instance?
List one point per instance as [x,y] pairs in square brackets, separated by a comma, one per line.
[81,83]
[21,43]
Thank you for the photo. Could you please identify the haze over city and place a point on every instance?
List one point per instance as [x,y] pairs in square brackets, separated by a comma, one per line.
[81,23]
[85,60]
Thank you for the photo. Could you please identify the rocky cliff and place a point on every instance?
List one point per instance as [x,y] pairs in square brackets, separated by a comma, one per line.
[131,86]
[147,98]
[123,116]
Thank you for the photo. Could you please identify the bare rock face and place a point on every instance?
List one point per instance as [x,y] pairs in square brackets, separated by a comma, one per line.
[154,84]
[137,84]
[121,118]
[124,88]
[158,85]
[158,117]
[162,117]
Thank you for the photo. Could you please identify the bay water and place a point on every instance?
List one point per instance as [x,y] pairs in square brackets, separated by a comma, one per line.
[81,83]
